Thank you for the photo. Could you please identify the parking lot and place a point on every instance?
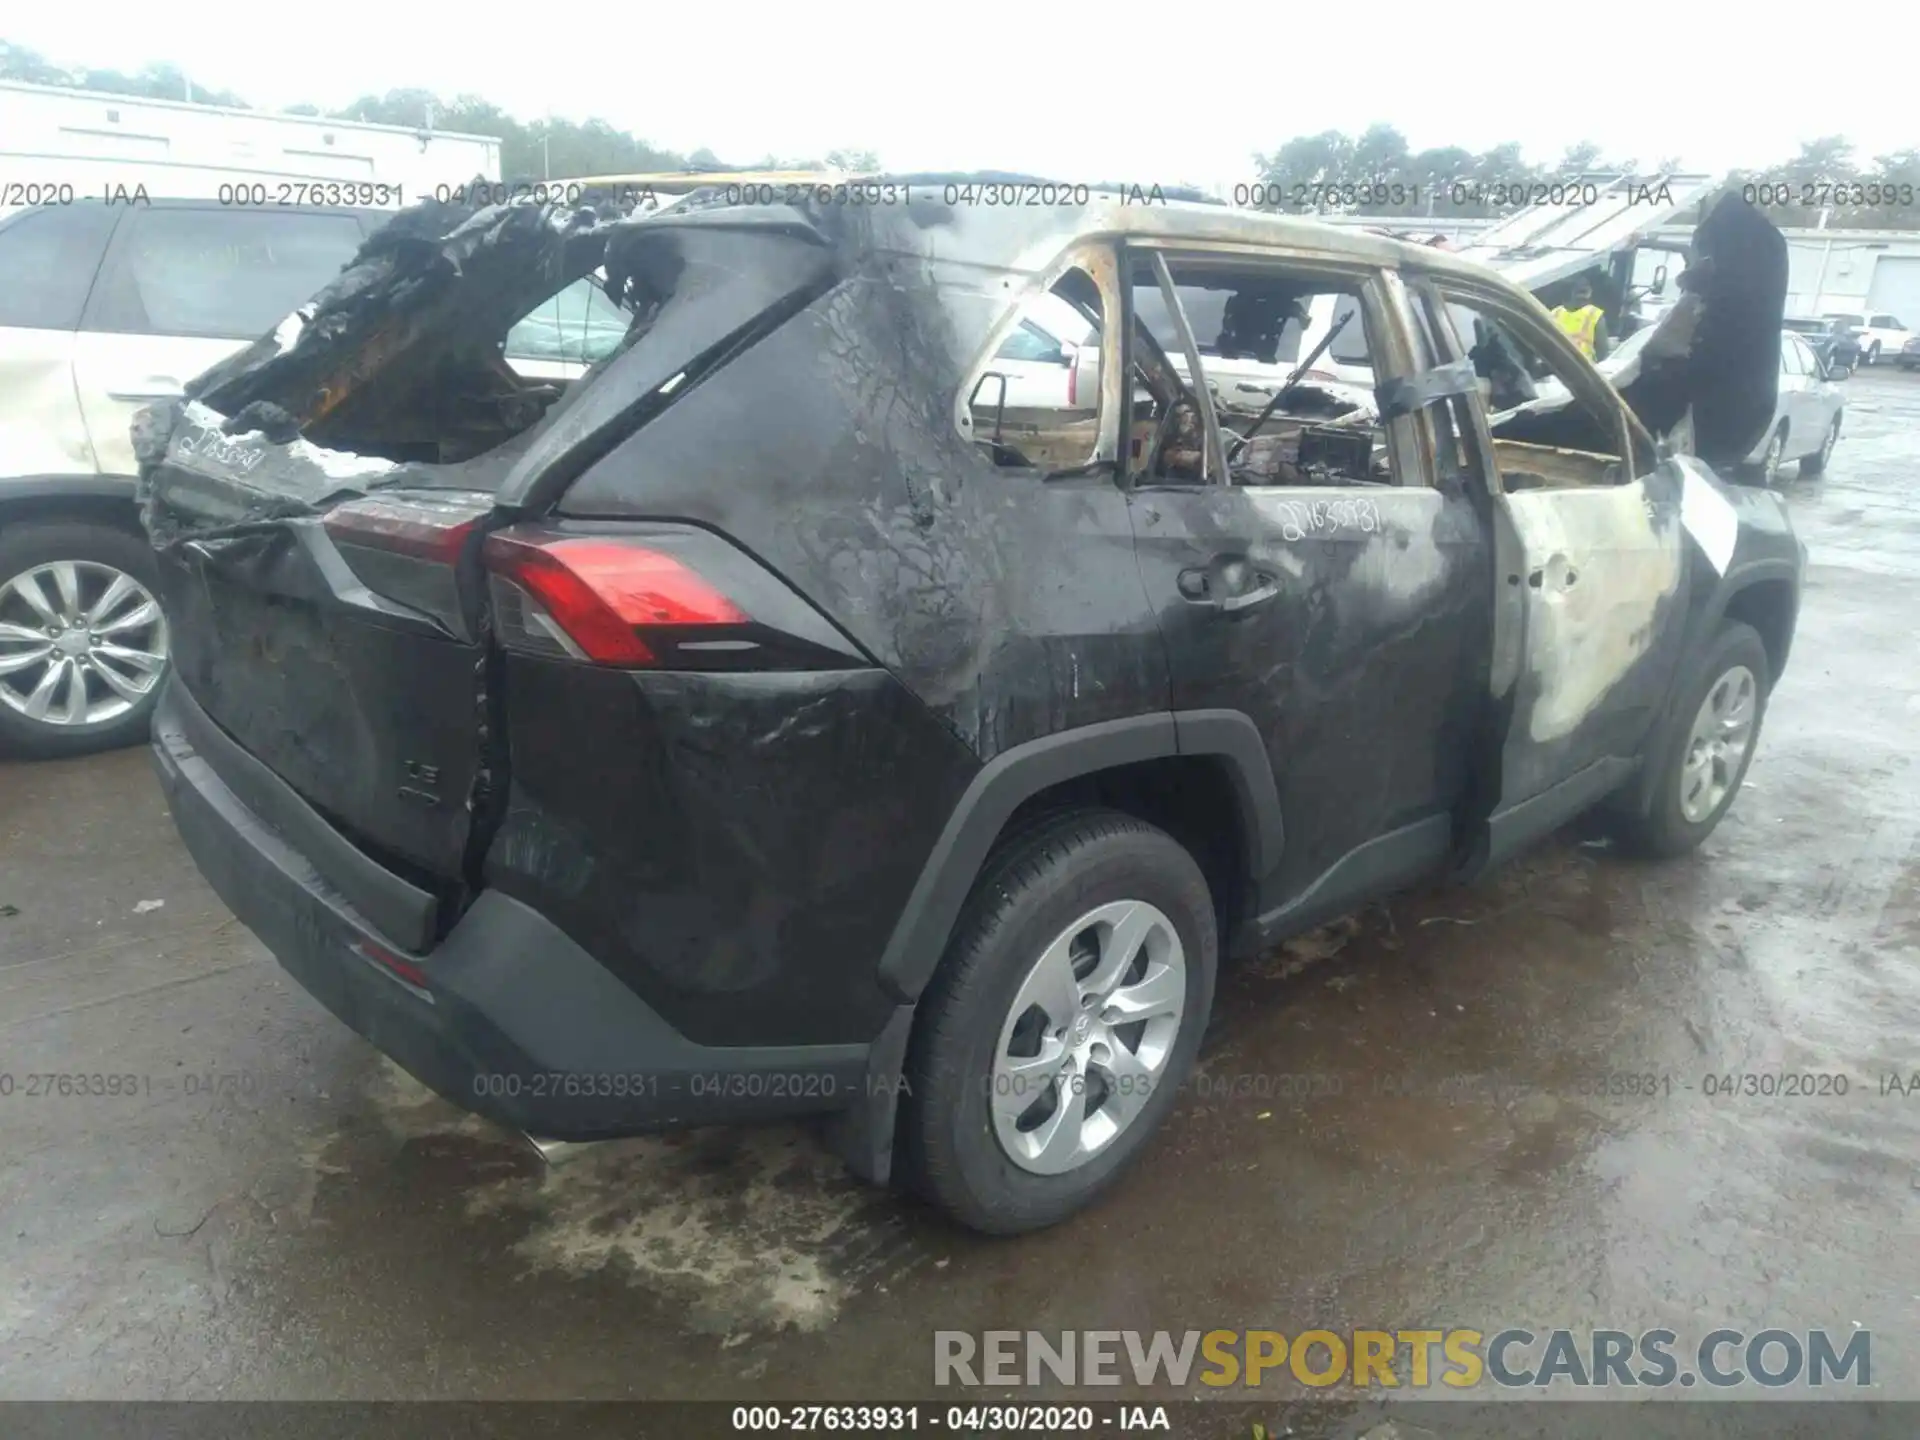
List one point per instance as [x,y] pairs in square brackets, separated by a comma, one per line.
[1481,1108]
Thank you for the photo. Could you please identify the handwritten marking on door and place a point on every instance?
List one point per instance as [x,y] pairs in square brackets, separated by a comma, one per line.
[1300,519]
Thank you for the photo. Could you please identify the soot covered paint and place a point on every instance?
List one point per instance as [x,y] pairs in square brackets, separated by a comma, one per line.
[739,849]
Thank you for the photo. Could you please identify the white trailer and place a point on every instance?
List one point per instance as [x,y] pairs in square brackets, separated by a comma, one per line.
[60,145]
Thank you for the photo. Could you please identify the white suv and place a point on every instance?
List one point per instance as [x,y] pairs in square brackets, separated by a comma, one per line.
[103,310]
[1878,333]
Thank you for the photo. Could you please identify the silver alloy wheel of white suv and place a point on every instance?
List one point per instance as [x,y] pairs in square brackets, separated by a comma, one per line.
[81,643]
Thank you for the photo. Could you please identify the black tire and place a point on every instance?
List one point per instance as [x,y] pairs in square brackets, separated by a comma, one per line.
[22,547]
[1034,886]
[1816,462]
[1872,355]
[1663,831]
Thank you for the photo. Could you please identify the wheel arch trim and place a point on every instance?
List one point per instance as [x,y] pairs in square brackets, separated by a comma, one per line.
[1712,616]
[1003,784]
[58,487]
[1739,580]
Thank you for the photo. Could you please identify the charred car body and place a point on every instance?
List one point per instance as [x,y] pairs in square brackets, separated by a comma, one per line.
[758,728]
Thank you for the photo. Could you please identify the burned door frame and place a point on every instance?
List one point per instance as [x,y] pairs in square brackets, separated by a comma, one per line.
[1318,660]
[1576,684]
[1096,257]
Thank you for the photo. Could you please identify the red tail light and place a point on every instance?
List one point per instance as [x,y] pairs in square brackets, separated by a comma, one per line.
[423,527]
[595,594]
[406,545]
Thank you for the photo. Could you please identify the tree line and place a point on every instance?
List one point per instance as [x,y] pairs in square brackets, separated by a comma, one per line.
[529,149]
[1375,173]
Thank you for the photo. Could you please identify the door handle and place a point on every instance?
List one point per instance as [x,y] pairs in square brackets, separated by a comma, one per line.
[1260,595]
[151,387]
[1230,585]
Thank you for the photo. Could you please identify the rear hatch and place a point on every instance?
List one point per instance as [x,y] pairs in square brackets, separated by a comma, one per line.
[339,509]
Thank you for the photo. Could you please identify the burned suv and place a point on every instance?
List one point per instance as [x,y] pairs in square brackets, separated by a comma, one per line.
[775,721]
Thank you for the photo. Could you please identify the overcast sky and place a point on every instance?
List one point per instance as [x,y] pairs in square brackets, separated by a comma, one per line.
[1187,95]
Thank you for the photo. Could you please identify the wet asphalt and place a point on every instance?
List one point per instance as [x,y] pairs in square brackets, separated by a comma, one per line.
[1424,1114]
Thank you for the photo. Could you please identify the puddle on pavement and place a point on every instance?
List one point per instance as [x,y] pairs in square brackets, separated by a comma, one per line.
[742,1230]
[1324,1085]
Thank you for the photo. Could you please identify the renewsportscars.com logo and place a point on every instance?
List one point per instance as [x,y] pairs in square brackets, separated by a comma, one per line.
[1459,1359]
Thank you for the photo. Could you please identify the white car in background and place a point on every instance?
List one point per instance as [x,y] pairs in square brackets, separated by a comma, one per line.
[105,309]
[1878,333]
[566,334]
[1034,369]
[1806,417]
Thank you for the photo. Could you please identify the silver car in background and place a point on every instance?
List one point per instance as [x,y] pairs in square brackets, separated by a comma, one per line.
[1806,415]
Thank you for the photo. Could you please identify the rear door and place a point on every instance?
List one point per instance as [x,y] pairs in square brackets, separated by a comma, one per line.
[183,287]
[48,260]
[1592,563]
[1329,585]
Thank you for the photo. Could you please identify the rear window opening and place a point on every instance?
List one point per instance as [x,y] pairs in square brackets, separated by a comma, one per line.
[457,334]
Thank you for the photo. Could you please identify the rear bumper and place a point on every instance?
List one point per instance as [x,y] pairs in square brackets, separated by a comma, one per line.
[515,1021]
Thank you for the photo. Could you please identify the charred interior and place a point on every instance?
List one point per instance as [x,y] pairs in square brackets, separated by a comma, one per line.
[1283,415]
[400,357]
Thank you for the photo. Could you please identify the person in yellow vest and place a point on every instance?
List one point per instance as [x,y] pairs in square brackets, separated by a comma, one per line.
[1584,321]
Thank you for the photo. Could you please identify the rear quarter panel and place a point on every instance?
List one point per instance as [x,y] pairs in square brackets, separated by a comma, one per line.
[1011,607]
[735,847]
[42,428]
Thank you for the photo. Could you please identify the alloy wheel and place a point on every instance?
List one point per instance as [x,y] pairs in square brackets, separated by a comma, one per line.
[1088,1037]
[1771,460]
[1723,733]
[80,643]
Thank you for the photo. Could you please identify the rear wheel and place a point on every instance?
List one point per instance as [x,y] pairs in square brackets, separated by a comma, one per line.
[1061,1022]
[83,644]
[1704,746]
[1815,463]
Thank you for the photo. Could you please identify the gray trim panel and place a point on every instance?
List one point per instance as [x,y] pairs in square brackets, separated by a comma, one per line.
[57,487]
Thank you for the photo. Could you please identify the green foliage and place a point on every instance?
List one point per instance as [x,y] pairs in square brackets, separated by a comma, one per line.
[153,82]
[529,149]
[1409,183]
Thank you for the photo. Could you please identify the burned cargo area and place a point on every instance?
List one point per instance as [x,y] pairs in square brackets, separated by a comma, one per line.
[394,376]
